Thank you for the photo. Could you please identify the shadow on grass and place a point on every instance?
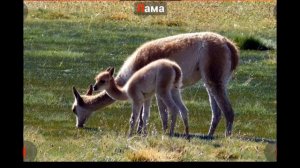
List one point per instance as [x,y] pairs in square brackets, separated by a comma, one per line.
[199,136]
[207,137]
[257,139]
[90,129]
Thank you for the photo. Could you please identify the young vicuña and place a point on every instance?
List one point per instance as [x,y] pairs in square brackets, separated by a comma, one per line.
[162,77]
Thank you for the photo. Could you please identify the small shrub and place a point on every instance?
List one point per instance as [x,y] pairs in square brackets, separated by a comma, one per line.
[251,43]
[51,15]
[169,23]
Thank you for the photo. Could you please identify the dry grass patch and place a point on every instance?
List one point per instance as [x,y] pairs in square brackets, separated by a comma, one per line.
[119,16]
[150,154]
[225,155]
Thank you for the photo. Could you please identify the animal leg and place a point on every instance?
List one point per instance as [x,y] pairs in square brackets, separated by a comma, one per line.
[183,110]
[140,125]
[169,102]
[146,114]
[163,112]
[219,93]
[216,114]
[136,108]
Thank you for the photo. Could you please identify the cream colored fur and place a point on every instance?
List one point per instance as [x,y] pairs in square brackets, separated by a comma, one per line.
[162,77]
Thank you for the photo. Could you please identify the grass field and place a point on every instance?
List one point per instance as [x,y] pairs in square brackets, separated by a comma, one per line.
[66,44]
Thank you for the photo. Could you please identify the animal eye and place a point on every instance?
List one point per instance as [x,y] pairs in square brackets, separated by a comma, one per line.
[102,81]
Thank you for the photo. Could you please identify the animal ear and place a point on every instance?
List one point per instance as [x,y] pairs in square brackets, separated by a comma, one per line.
[111,71]
[77,95]
[89,91]
[108,69]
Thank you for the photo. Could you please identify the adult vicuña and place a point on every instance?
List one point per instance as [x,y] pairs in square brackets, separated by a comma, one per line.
[205,55]
[162,77]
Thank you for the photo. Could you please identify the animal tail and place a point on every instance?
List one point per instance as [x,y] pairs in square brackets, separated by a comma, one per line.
[234,54]
[178,76]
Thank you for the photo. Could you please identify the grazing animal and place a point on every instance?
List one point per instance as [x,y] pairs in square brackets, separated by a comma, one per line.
[162,77]
[83,103]
[205,55]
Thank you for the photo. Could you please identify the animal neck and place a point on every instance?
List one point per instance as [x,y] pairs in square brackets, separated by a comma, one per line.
[103,99]
[125,72]
[116,92]
[96,101]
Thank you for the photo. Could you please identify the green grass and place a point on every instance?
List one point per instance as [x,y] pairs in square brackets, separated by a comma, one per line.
[67,44]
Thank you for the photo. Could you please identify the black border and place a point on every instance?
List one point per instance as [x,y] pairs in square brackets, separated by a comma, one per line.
[285,87]
[12,78]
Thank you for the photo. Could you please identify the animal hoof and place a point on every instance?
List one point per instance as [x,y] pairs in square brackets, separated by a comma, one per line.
[188,137]
[139,131]
[79,126]
[228,134]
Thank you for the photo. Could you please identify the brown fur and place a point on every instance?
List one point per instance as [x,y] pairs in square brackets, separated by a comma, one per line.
[234,54]
[214,72]
[154,50]
[157,49]
[178,76]
[93,102]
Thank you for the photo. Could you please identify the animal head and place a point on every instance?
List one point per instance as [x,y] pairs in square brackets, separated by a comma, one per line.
[103,79]
[78,107]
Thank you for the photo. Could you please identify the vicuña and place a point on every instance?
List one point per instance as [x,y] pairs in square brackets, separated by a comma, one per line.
[204,55]
[162,77]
